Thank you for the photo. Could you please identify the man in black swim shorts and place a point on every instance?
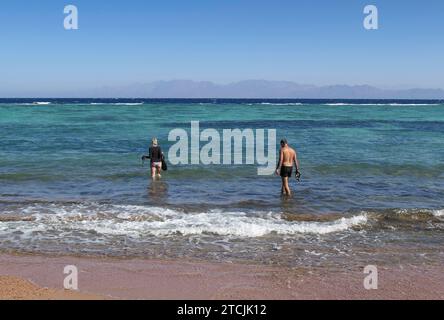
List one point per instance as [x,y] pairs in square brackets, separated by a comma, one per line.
[287,157]
[286,171]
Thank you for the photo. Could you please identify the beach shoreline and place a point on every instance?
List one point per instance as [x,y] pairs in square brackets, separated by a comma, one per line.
[41,277]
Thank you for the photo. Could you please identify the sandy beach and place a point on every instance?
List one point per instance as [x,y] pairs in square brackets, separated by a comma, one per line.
[41,277]
[16,288]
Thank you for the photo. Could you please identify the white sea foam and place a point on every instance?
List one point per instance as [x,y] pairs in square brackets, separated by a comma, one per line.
[438,213]
[128,104]
[382,104]
[282,104]
[141,221]
[41,102]
[117,104]
[413,104]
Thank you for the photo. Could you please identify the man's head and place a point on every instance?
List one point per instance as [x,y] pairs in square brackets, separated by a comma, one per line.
[154,141]
[284,142]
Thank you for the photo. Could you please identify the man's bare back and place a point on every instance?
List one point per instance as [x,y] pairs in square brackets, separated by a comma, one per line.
[288,156]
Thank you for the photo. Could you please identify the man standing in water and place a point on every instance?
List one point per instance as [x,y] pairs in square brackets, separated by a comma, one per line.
[287,157]
[156,157]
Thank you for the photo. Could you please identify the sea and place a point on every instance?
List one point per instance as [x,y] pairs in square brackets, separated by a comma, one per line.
[371,192]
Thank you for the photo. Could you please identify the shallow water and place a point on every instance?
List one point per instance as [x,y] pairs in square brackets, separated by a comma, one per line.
[71,181]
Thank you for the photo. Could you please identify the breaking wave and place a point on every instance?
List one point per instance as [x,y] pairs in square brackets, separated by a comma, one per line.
[138,221]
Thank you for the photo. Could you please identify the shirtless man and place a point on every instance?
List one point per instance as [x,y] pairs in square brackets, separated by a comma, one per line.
[287,158]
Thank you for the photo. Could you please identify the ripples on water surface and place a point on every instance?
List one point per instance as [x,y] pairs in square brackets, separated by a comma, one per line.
[71,181]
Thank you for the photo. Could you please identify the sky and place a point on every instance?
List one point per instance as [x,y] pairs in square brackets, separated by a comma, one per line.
[318,42]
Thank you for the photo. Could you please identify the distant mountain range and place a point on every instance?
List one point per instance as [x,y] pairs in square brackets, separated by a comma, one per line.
[257,89]
[249,89]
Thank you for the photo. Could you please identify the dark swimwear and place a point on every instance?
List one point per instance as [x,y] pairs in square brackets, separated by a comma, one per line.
[155,154]
[286,171]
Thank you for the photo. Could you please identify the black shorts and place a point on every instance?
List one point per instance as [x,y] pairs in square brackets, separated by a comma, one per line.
[286,172]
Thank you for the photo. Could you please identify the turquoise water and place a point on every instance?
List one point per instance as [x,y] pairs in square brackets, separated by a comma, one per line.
[71,181]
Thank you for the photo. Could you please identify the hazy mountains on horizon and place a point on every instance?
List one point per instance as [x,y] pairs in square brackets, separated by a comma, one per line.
[243,89]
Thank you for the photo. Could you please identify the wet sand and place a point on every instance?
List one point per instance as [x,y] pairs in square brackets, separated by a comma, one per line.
[41,277]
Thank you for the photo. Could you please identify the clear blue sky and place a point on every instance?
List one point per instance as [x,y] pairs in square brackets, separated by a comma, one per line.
[137,41]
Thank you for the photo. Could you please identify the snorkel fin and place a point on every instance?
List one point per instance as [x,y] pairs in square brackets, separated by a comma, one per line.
[298,175]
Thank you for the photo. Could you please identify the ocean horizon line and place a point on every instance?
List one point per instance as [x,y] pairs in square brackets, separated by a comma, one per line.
[389,100]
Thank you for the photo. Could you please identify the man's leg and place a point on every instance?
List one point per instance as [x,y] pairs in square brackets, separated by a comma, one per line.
[286,186]
[153,172]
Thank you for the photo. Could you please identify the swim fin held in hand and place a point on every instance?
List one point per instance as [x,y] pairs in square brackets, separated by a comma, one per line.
[298,175]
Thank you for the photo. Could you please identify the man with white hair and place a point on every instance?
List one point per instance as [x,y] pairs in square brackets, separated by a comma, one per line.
[155,155]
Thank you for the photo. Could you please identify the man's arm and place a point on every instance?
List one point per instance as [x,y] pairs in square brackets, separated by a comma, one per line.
[144,157]
[281,159]
[296,161]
